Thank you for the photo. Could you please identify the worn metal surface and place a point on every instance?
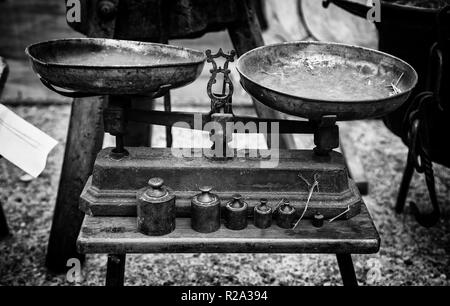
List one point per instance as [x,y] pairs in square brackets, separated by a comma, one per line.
[115,67]
[220,101]
[262,215]
[172,118]
[347,81]
[317,220]
[205,211]
[156,209]
[286,216]
[236,213]
[111,191]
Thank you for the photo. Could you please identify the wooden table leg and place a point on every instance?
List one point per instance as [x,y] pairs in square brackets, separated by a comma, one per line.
[4,231]
[115,272]
[84,141]
[247,35]
[347,270]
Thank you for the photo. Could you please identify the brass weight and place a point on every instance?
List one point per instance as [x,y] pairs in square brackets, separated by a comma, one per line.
[156,212]
[236,213]
[262,215]
[286,215]
[205,211]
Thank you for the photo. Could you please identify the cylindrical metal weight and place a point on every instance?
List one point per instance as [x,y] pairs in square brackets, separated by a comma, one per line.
[286,215]
[318,220]
[156,212]
[205,211]
[262,215]
[236,213]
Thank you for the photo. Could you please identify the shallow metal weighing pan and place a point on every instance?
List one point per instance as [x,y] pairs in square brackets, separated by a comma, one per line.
[313,79]
[114,67]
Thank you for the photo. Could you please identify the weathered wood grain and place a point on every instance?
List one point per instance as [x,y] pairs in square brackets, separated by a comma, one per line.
[118,235]
[84,140]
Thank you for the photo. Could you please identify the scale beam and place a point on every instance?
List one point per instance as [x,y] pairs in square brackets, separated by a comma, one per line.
[189,119]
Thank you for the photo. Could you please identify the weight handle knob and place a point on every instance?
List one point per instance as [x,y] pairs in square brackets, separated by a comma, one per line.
[206,189]
[318,220]
[206,196]
[156,189]
[237,202]
[237,197]
[156,183]
[263,205]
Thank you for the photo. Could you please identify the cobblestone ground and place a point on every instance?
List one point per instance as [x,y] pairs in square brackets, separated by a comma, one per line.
[410,255]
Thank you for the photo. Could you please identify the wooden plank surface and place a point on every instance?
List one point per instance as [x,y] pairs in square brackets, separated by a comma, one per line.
[118,235]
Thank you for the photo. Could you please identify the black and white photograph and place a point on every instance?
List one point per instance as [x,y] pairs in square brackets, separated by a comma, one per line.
[221,149]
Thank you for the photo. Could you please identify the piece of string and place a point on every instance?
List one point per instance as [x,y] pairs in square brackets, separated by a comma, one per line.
[278,205]
[340,215]
[311,191]
[304,180]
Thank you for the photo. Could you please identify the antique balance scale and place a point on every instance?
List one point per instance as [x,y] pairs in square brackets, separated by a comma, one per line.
[321,82]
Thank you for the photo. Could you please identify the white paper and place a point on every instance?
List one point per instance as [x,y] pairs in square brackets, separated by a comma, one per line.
[23,144]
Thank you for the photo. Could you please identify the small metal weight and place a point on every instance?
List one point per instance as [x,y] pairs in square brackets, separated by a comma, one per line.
[236,213]
[156,212]
[262,215]
[286,215]
[318,220]
[205,211]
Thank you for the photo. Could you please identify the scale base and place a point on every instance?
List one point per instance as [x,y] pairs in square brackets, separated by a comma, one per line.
[111,191]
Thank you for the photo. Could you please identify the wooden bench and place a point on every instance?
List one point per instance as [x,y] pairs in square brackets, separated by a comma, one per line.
[118,236]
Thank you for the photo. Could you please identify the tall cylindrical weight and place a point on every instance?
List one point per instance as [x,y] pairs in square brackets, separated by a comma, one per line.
[205,211]
[156,212]
[236,217]
[286,215]
[262,216]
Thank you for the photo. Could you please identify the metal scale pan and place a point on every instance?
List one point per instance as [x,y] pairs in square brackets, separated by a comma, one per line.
[315,79]
[90,66]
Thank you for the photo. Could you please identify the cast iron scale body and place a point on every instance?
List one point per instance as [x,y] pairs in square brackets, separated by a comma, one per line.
[120,173]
